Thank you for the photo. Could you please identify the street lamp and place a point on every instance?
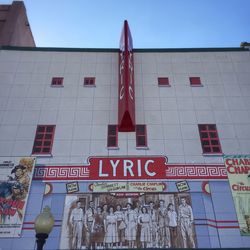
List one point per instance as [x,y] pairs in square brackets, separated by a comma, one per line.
[44,223]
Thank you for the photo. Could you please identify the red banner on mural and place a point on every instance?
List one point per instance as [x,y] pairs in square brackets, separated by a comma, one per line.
[126,95]
[131,168]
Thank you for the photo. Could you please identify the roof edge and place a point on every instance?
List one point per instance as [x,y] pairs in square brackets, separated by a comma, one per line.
[58,49]
[215,49]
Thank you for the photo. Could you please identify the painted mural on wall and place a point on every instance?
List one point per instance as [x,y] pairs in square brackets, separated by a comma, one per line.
[15,182]
[115,202]
[127,220]
[238,170]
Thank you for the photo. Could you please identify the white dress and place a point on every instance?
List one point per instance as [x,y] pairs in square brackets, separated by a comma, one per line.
[111,235]
[131,222]
[145,221]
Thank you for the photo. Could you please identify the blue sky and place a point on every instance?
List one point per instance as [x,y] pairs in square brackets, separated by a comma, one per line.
[153,23]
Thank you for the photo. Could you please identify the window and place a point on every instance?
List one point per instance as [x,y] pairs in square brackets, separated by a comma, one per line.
[57,81]
[89,81]
[195,81]
[141,136]
[209,139]
[163,81]
[44,139]
[112,136]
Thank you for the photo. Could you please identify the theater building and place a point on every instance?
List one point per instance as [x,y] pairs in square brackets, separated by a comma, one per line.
[158,137]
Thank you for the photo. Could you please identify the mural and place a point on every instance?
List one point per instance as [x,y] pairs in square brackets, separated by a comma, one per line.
[15,182]
[122,220]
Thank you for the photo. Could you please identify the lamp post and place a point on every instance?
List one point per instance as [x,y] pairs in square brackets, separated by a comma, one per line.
[44,223]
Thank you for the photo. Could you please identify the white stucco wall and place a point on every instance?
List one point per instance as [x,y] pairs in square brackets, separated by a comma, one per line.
[81,114]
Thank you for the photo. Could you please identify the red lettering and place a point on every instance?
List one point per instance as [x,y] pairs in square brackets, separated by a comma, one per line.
[18,204]
[236,161]
[240,187]
[9,211]
[232,169]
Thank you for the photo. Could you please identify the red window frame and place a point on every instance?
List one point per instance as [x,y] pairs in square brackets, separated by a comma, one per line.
[209,139]
[57,81]
[163,81]
[195,81]
[141,135]
[89,81]
[112,140]
[44,138]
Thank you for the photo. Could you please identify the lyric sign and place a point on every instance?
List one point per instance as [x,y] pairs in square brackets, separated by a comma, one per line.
[128,168]
[141,168]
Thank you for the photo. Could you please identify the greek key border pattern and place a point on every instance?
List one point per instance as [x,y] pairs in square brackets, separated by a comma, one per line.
[173,171]
[61,173]
[197,171]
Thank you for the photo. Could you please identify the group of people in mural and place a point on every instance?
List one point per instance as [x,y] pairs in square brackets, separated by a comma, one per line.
[147,226]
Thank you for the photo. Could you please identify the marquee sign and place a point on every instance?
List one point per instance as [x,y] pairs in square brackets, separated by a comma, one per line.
[117,187]
[126,95]
[130,168]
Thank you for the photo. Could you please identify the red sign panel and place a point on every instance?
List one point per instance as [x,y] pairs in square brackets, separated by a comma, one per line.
[126,94]
[131,168]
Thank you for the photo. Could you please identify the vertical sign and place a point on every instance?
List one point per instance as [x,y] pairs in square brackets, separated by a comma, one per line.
[238,170]
[126,95]
[15,182]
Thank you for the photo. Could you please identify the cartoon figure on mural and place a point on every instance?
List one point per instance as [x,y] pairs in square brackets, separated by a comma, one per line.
[21,179]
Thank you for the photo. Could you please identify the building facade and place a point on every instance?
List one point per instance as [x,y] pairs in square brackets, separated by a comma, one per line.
[157,131]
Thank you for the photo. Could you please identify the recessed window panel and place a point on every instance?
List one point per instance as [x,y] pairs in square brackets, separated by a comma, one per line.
[209,139]
[112,140]
[43,139]
[141,136]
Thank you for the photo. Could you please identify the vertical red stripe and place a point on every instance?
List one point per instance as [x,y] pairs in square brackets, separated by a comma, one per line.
[126,96]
